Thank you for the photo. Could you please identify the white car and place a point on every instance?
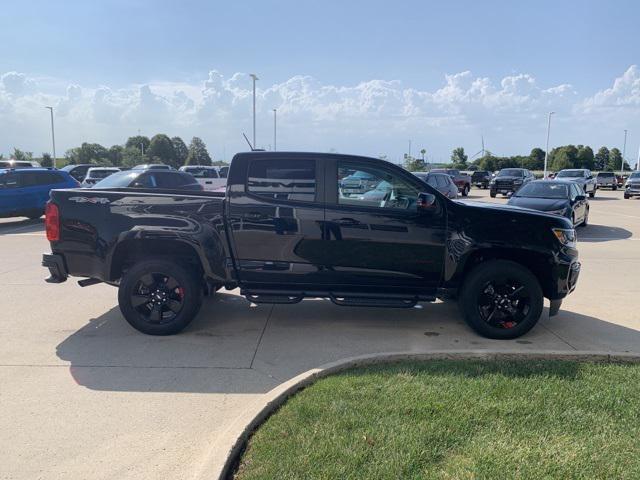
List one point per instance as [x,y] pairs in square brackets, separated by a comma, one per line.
[206,175]
[95,174]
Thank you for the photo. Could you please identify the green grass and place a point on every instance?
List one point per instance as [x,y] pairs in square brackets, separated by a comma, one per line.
[456,420]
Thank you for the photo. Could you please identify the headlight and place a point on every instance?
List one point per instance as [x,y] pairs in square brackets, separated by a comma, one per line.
[492,182]
[517,182]
[560,212]
[565,236]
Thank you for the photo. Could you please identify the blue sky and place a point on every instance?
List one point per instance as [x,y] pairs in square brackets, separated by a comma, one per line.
[145,64]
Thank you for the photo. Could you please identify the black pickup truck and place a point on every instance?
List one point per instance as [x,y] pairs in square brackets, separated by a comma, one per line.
[289,228]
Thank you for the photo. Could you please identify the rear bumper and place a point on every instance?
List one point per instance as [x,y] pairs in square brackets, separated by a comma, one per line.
[58,272]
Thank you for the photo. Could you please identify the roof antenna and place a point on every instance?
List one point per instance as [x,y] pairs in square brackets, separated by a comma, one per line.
[250,146]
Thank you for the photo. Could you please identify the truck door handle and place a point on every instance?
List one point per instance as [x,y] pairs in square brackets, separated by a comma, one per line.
[253,216]
[346,221]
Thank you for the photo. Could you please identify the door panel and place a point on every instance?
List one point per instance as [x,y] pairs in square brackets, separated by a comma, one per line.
[276,221]
[378,237]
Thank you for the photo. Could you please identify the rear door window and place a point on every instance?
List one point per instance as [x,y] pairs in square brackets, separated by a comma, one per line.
[9,180]
[286,179]
[171,180]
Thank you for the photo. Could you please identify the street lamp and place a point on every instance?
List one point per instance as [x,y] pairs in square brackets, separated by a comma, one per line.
[53,137]
[624,151]
[546,152]
[254,77]
[274,129]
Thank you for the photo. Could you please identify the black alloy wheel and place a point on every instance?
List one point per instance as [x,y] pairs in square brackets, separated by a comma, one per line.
[501,299]
[504,303]
[160,297]
[157,297]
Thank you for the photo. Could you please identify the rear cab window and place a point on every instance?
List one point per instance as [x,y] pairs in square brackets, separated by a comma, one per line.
[283,179]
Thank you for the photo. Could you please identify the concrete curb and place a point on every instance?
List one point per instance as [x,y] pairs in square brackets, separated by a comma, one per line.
[232,442]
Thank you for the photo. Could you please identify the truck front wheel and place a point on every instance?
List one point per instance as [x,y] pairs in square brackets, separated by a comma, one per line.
[158,297]
[501,299]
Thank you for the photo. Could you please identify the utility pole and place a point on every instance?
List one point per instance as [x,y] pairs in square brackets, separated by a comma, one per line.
[546,152]
[409,148]
[274,130]
[624,151]
[254,77]
[53,137]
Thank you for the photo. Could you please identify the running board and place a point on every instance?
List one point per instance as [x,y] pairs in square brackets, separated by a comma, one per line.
[345,299]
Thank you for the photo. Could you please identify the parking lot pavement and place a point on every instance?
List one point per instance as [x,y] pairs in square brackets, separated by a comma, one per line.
[85,396]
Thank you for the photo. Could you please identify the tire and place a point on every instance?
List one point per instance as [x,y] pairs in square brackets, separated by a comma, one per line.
[585,221]
[592,194]
[158,285]
[503,326]
[626,197]
[614,188]
[465,190]
[34,215]
[492,194]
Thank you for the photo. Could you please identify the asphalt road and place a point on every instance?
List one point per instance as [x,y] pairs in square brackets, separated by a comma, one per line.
[83,395]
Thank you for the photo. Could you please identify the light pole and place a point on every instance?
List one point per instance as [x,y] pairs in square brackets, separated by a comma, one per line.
[53,137]
[409,148]
[624,151]
[546,152]
[254,77]
[274,129]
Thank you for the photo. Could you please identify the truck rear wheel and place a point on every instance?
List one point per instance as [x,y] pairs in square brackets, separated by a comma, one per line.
[158,297]
[501,299]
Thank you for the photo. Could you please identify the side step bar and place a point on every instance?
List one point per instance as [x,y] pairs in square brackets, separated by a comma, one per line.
[345,299]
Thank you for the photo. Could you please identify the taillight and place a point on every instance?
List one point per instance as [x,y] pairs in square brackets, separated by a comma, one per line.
[52,222]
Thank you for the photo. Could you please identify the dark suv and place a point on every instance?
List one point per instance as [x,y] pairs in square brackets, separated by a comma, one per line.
[509,180]
[481,179]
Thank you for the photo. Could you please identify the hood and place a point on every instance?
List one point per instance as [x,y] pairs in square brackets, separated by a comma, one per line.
[508,177]
[542,204]
[511,209]
[580,180]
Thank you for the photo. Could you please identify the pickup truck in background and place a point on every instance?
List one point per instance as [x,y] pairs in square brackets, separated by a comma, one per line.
[461,179]
[207,176]
[286,229]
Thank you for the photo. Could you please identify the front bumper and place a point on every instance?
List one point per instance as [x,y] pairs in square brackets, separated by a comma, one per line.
[632,192]
[58,272]
[566,279]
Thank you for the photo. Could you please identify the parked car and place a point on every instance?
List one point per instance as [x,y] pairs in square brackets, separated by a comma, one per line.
[622,180]
[95,174]
[632,188]
[440,181]
[509,180]
[150,179]
[582,177]
[560,197]
[223,171]
[206,176]
[481,179]
[18,164]
[153,166]
[461,179]
[24,192]
[606,180]
[79,172]
[285,232]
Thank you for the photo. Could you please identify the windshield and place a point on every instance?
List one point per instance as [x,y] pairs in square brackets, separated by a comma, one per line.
[634,175]
[605,174]
[118,180]
[570,174]
[543,190]
[100,173]
[510,172]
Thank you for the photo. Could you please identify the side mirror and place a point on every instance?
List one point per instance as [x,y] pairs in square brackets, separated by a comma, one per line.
[426,202]
[579,198]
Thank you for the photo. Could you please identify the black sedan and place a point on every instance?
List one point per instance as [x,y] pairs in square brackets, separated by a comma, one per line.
[164,179]
[440,181]
[564,198]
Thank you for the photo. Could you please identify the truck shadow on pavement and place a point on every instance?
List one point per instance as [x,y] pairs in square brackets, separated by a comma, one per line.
[234,346]
[22,226]
[602,233]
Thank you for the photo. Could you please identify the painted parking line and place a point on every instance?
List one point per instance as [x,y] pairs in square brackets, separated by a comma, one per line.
[36,234]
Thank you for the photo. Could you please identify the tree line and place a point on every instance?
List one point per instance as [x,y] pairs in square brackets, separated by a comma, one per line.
[566,156]
[135,151]
[141,149]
